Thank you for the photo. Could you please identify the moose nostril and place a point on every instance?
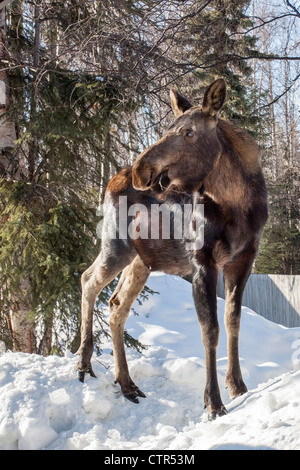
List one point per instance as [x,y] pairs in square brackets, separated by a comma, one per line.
[142,176]
[164,180]
[149,182]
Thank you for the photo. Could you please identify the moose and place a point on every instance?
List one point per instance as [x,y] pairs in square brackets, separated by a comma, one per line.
[201,159]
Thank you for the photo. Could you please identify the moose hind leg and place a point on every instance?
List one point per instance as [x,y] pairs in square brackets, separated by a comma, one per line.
[93,280]
[130,285]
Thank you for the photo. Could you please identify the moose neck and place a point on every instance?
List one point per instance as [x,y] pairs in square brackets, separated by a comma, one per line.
[225,184]
[228,182]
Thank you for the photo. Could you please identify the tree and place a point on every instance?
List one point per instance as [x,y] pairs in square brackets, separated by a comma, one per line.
[7,128]
[89,82]
[279,138]
[65,117]
[18,324]
[220,47]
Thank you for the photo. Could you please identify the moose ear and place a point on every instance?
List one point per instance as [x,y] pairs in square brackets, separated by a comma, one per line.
[179,103]
[214,97]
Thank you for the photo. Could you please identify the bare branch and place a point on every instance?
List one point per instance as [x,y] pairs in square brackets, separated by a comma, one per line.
[277,97]
[293,7]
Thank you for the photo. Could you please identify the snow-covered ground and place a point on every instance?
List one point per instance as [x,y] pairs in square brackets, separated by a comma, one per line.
[44,406]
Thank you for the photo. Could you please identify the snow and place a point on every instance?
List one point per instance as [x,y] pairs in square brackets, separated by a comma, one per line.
[44,406]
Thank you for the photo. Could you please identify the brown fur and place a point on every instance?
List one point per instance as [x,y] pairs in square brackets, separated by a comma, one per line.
[120,182]
[243,143]
[200,160]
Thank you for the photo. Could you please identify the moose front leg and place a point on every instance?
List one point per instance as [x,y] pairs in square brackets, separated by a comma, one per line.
[204,291]
[235,278]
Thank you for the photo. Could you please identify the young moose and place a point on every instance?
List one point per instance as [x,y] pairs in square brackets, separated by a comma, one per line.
[200,160]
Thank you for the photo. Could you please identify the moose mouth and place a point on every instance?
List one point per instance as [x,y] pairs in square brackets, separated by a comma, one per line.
[160,183]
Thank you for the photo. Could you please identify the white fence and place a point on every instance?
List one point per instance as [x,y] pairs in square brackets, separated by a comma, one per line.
[274,296]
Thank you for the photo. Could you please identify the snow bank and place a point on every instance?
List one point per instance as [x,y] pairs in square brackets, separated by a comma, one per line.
[44,406]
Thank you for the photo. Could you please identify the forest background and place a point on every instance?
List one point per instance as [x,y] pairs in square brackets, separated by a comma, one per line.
[84,88]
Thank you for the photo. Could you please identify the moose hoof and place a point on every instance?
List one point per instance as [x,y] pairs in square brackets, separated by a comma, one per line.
[237,387]
[81,374]
[133,397]
[214,414]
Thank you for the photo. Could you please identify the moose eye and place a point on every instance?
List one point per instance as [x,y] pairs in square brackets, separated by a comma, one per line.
[189,133]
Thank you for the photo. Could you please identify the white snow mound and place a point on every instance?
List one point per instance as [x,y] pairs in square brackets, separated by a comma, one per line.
[44,406]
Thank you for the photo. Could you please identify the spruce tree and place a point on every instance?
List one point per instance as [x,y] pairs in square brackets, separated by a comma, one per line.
[66,115]
[217,45]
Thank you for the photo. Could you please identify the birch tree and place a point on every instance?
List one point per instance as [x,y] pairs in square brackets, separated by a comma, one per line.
[19,304]
[7,128]
[279,87]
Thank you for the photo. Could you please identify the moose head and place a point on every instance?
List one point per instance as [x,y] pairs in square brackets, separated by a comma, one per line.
[189,150]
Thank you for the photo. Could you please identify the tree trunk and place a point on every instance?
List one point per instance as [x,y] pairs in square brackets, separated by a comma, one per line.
[33,146]
[7,128]
[21,329]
